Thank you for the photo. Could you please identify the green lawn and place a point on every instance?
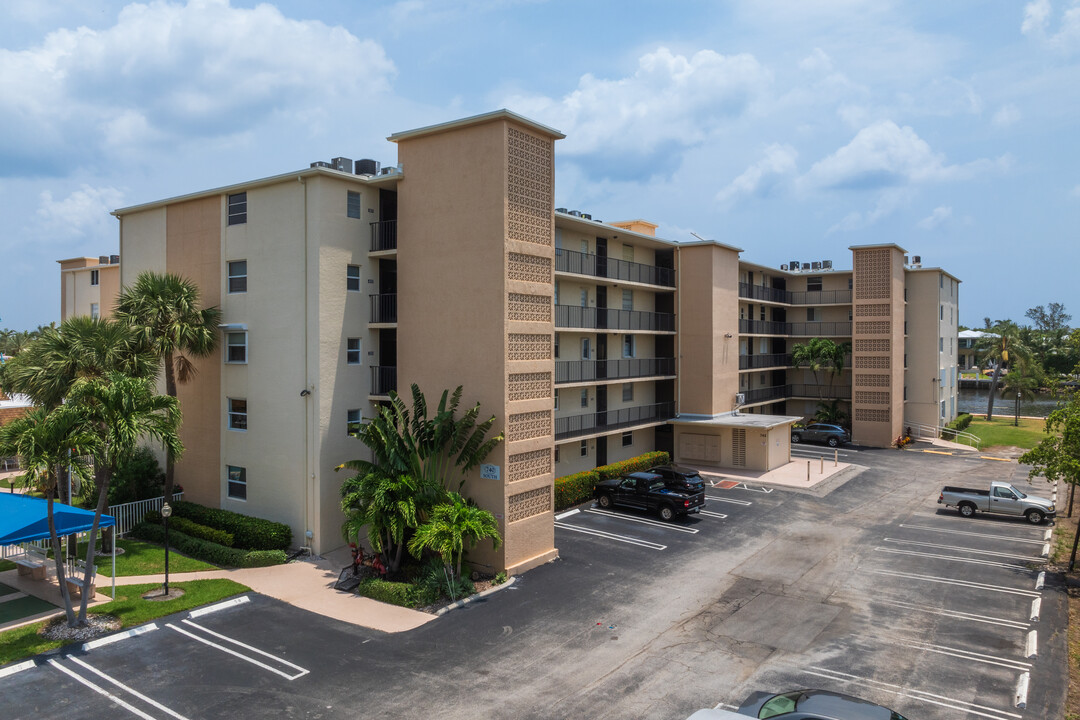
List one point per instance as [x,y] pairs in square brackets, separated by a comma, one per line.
[129,607]
[6,565]
[1000,431]
[142,558]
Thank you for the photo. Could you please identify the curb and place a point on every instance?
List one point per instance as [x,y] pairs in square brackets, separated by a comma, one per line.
[465,601]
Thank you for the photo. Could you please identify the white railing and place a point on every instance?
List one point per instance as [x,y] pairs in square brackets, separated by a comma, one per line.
[11,551]
[919,430]
[128,515]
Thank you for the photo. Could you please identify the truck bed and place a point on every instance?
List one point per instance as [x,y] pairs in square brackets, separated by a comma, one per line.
[965,491]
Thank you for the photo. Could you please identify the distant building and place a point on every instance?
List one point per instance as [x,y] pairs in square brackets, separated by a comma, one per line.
[89,286]
[968,341]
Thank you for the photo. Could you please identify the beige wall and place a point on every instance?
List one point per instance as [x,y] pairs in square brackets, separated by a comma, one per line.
[77,294]
[931,376]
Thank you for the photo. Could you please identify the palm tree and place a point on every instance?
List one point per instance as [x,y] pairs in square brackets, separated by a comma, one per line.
[815,355]
[43,439]
[831,413]
[998,347]
[165,312]
[390,507]
[455,526]
[121,411]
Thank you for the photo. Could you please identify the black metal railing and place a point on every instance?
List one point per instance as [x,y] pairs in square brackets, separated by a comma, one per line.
[608,267]
[383,379]
[778,392]
[821,392]
[578,425]
[796,329]
[765,360]
[567,371]
[574,316]
[384,235]
[803,297]
[384,308]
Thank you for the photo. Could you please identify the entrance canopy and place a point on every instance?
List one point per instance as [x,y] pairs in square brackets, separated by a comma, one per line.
[24,518]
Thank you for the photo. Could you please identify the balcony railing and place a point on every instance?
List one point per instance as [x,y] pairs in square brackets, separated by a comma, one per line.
[612,268]
[778,392]
[821,392]
[384,308]
[573,316]
[383,379]
[795,329]
[766,360]
[598,422]
[384,235]
[809,297]
[568,371]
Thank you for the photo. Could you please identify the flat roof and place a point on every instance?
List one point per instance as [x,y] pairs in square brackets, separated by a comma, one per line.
[741,420]
[876,245]
[933,269]
[502,114]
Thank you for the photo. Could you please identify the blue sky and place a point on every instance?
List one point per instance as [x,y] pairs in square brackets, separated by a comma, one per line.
[792,129]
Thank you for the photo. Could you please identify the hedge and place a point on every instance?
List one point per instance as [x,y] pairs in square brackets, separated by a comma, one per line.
[207,551]
[960,423]
[192,528]
[578,488]
[395,593]
[248,532]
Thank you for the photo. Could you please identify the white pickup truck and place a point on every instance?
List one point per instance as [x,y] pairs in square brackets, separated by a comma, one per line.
[1001,498]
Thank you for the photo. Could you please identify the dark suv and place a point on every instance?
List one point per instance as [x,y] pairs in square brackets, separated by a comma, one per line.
[680,478]
[831,435]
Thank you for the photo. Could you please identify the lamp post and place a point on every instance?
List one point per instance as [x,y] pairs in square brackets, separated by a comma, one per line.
[166,511]
[1016,419]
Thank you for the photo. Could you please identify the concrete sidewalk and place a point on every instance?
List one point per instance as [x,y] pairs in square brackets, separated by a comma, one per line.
[795,474]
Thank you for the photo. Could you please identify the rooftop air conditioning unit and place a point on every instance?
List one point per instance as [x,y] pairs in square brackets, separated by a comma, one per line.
[815,265]
[367,166]
[740,398]
[916,260]
[114,259]
[783,267]
[586,216]
[103,260]
[826,264]
[806,266]
[321,163]
[389,170]
[575,213]
[794,266]
[907,260]
[562,210]
[343,164]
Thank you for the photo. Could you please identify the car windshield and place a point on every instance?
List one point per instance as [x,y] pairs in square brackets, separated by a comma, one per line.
[779,705]
[1018,493]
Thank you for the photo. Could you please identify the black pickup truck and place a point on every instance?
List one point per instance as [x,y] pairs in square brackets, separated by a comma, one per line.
[647,491]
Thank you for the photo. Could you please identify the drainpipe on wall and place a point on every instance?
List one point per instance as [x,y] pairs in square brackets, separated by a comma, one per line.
[309,464]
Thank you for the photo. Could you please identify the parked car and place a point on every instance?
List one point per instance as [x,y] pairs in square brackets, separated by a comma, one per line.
[814,705]
[647,491]
[831,435]
[680,478]
[1001,498]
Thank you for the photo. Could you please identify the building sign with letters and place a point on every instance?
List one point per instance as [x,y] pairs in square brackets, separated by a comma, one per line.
[489,472]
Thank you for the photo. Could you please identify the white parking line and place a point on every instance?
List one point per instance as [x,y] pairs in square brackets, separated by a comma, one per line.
[234,653]
[961,583]
[101,691]
[710,513]
[142,630]
[899,690]
[970,561]
[122,686]
[219,606]
[732,501]
[567,514]
[968,655]
[961,548]
[754,488]
[958,615]
[976,534]
[18,667]
[612,536]
[645,521]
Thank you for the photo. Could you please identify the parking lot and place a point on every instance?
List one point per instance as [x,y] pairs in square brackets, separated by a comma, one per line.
[860,585]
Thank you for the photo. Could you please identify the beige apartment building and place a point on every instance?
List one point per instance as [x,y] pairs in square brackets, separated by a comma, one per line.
[590,341]
[89,286]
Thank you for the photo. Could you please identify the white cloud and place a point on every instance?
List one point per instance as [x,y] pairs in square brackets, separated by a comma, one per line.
[886,203]
[939,216]
[778,161]
[881,155]
[166,70]
[1006,116]
[83,212]
[817,61]
[1037,21]
[669,100]
[1036,17]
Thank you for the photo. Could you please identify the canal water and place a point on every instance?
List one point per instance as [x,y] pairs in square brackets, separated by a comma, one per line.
[973,400]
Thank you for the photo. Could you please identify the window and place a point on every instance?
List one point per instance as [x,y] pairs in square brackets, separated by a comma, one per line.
[353,421]
[352,278]
[584,397]
[352,208]
[849,316]
[556,399]
[627,439]
[237,477]
[556,453]
[556,292]
[849,283]
[584,297]
[905,392]
[236,347]
[95,310]
[94,277]
[628,253]
[352,351]
[813,284]
[238,276]
[628,346]
[811,314]
[941,281]
[237,414]
[762,314]
[238,209]
[584,247]
[584,448]
[556,346]
[941,344]
[558,248]
[627,299]
[628,392]
[585,348]
[941,312]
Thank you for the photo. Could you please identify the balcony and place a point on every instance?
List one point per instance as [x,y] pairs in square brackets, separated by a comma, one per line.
[383,379]
[384,235]
[820,392]
[569,371]
[767,360]
[599,422]
[573,316]
[569,261]
[779,392]
[795,329]
[810,297]
[383,308]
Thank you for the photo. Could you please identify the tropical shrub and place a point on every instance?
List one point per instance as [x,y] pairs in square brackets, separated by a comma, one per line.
[394,593]
[248,532]
[192,528]
[138,477]
[207,551]
[577,488]
[634,464]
